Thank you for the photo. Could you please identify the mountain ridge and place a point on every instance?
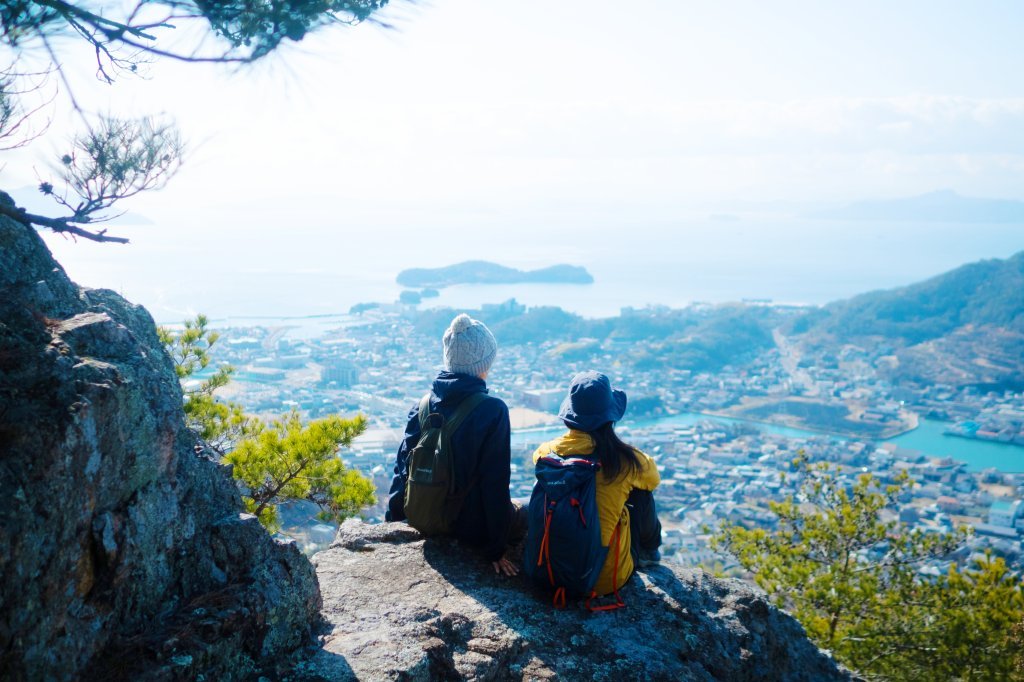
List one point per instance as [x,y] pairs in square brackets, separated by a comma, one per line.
[964,327]
[986,292]
[933,207]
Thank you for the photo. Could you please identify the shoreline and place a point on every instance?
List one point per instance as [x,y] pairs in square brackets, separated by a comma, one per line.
[916,419]
[732,418]
[992,441]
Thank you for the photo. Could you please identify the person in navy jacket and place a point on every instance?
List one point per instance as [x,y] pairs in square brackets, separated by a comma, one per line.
[480,444]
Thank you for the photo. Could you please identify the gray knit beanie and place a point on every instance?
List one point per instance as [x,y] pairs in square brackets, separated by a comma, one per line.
[469,346]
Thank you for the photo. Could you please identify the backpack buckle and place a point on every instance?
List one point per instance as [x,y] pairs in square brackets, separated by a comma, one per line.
[435,420]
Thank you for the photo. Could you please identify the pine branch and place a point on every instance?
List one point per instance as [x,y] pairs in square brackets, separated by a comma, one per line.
[60,225]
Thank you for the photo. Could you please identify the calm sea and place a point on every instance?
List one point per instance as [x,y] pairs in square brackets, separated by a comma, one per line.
[179,270]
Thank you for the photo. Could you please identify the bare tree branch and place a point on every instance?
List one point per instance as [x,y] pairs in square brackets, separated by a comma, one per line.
[15,120]
[60,225]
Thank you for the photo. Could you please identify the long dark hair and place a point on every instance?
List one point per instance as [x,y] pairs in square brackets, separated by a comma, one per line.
[616,457]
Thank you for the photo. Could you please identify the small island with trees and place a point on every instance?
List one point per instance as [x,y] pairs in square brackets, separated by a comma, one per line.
[485,272]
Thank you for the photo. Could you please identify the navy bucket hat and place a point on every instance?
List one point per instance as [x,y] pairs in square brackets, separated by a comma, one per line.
[592,402]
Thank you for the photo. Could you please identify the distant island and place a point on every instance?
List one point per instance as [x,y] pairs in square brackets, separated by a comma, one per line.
[484,272]
[934,207]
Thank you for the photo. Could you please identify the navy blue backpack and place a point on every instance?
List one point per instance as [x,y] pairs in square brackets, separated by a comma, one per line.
[563,541]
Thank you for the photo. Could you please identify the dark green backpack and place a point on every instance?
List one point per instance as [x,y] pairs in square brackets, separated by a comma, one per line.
[431,501]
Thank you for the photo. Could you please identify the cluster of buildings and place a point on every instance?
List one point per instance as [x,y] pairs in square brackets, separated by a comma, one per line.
[379,364]
[714,474]
[1000,419]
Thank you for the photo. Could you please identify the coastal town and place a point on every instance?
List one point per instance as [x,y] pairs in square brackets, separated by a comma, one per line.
[711,433]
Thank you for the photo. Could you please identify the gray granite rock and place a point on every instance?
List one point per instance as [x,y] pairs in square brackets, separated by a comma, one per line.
[400,607]
[123,555]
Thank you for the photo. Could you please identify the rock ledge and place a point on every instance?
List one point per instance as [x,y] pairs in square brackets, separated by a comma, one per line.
[401,607]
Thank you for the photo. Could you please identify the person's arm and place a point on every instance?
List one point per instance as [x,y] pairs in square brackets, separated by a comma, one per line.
[544,449]
[648,477]
[396,503]
[495,473]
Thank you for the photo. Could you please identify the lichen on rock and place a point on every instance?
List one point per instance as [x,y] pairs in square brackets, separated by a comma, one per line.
[122,553]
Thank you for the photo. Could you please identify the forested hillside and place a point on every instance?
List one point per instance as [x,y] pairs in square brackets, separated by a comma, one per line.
[989,292]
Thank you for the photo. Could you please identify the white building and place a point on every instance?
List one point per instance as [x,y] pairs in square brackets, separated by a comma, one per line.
[544,399]
[1006,513]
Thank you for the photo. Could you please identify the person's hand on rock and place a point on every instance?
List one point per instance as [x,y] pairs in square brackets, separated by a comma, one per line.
[506,567]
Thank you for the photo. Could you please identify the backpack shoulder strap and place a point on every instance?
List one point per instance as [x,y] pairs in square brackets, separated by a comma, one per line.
[424,411]
[462,411]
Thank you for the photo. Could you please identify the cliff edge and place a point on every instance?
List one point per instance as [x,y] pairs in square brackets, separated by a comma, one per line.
[401,607]
[123,554]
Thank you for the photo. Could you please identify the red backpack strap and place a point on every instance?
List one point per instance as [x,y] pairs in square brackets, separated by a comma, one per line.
[544,556]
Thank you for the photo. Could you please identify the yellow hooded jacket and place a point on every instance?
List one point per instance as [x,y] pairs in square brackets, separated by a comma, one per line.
[611,502]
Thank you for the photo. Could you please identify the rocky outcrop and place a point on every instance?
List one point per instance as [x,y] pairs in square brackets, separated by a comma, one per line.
[400,607]
[123,554]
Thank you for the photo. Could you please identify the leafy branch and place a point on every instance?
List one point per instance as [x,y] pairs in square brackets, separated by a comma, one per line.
[114,160]
[849,572]
[219,424]
[122,40]
[272,463]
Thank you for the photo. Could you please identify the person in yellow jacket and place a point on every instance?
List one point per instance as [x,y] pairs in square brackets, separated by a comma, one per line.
[626,479]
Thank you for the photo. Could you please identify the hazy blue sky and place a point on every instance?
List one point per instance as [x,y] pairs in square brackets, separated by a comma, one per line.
[580,110]
[581,100]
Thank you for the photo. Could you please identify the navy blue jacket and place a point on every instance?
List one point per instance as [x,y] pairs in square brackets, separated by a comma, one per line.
[480,444]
